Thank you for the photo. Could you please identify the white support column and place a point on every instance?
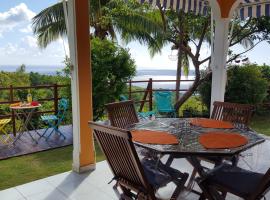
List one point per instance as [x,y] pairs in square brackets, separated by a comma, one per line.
[222,13]
[74,84]
[218,60]
[81,85]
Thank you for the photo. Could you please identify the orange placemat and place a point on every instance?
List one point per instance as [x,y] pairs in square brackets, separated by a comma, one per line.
[222,140]
[153,137]
[211,123]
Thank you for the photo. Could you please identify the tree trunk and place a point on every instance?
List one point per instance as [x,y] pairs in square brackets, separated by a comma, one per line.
[179,58]
[191,90]
[178,74]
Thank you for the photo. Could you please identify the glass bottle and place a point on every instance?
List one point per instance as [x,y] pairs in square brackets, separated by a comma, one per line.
[29,97]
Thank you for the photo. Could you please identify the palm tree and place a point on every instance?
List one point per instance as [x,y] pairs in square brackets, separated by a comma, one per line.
[106,17]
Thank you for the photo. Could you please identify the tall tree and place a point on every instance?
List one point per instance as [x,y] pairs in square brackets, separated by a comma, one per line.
[184,30]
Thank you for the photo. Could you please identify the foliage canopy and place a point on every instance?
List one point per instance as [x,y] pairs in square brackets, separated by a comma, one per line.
[246,84]
[112,66]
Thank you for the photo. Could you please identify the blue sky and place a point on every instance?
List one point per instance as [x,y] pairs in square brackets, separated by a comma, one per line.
[18,44]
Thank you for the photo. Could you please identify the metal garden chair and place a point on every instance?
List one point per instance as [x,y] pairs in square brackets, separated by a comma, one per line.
[137,179]
[53,121]
[163,102]
[231,179]
[4,136]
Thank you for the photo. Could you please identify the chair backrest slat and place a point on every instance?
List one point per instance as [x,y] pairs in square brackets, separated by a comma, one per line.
[121,114]
[121,155]
[233,112]
[62,108]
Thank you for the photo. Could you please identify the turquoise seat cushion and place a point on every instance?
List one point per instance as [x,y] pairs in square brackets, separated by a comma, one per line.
[167,110]
[49,118]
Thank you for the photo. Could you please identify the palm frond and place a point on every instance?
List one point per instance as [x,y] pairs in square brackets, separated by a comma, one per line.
[185,64]
[49,24]
[247,43]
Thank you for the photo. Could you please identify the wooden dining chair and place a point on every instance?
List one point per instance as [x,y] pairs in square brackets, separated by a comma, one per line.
[137,179]
[233,112]
[121,114]
[232,179]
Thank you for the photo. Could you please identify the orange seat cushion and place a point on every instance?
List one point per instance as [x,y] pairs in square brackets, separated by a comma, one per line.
[222,140]
[211,123]
[153,137]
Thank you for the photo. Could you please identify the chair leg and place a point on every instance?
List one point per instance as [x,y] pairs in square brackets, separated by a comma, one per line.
[235,160]
[49,134]
[180,186]
[205,192]
[8,138]
[192,178]
[5,138]
[209,193]
[126,193]
[169,161]
[60,133]
[44,133]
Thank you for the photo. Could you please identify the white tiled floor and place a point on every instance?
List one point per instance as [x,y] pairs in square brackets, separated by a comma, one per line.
[93,185]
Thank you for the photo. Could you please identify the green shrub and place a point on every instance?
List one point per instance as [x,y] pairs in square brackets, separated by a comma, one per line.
[205,92]
[112,66]
[265,69]
[246,84]
[193,107]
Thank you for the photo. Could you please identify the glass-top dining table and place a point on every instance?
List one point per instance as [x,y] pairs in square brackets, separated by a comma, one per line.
[188,136]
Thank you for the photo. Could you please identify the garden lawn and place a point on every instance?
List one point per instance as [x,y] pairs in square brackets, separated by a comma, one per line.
[19,170]
[261,123]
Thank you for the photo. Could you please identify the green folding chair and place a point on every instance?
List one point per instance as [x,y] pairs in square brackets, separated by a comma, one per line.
[53,121]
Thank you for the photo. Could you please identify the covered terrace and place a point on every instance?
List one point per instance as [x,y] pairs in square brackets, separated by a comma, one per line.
[89,179]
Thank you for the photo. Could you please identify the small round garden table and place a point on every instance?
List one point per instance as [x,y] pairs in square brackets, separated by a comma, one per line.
[24,113]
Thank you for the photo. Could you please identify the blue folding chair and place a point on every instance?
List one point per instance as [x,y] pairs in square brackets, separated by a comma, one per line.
[53,121]
[163,103]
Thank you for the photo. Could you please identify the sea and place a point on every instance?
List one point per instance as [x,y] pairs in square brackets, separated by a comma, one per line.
[141,75]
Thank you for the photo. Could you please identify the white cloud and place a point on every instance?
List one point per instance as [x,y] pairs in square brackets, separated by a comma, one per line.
[27,51]
[27,29]
[14,17]
[20,45]
[10,48]
[30,42]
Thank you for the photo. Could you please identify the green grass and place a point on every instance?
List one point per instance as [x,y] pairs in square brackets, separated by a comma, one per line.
[261,123]
[24,169]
